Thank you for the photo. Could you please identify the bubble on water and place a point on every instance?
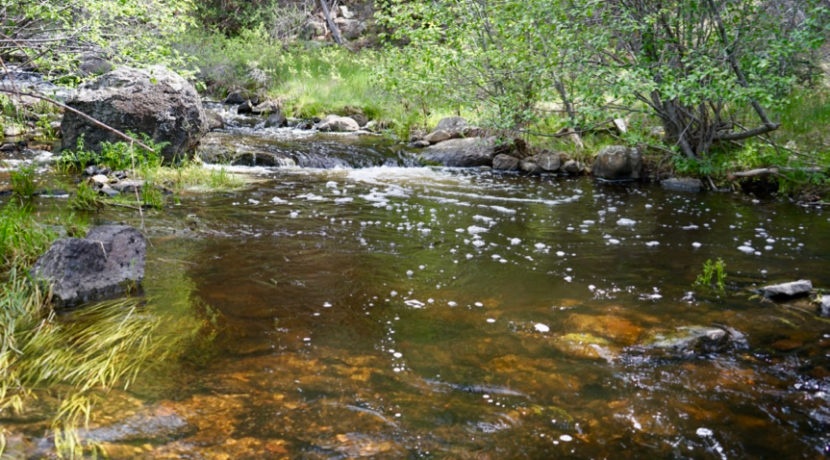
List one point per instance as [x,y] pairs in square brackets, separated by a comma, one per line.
[624,222]
[568,279]
[690,227]
[253,201]
[294,214]
[560,253]
[397,354]
[452,303]
[613,241]
[414,303]
[592,288]
[475,229]
[478,304]
[541,327]
[491,320]
[696,245]
[344,200]
[326,304]
[652,244]
[746,249]
[331,184]
[515,241]
[393,293]
[410,273]
[468,256]
[704,432]
[566,438]
[430,300]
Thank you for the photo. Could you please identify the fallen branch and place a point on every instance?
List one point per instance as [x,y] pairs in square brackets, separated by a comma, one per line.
[771,171]
[95,122]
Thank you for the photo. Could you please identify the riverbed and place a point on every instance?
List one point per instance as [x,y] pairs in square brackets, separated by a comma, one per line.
[383,309]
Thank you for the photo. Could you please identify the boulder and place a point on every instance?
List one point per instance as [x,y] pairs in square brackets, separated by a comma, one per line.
[275,120]
[107,263]
[787,290]
[439,135]
[214,120]
[338,124]
[618,163]
[266,108]
[357,114]
[571,167]
[467,152]
[682,184]
[235,98]
[451,124]
[529,167]
[548,161]
[94,63]
[504,162]
[156,102]
[245,107]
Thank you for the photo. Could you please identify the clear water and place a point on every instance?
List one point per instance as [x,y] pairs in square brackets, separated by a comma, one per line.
[433,313]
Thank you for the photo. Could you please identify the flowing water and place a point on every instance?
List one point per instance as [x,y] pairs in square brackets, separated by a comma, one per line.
[410,312]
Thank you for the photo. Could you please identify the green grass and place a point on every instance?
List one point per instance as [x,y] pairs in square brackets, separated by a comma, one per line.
[22,237]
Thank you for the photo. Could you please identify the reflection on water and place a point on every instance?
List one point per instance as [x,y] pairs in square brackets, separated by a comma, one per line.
[429,313]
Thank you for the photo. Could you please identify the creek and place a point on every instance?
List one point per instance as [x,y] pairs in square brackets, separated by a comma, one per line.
[383,309]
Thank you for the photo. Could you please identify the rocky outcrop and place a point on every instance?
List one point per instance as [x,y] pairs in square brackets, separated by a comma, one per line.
[107,263]
[467,152]
[156,102]
[787,290]
[618,163]
[682,184]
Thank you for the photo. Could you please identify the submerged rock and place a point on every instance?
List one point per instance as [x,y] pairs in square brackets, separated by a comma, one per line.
[586,346]
[618,163]
[787,290]
[689,340]
[156,101]
[467,152]
[107,263]
[682,184]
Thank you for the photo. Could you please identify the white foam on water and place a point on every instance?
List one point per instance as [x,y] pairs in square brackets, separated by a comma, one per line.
[539,327]
[624,222]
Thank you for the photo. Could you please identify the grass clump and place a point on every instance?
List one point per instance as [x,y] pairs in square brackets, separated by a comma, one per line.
[22,238]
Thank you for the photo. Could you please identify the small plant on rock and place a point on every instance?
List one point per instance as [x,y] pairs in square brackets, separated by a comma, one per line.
[713,275]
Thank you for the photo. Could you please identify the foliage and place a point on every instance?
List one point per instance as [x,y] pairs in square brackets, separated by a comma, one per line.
[116,156]
[713,275]
[86,199]
[23,181]
[701,67]
[22,238]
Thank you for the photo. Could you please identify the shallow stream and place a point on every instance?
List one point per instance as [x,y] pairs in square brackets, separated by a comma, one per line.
[410,312]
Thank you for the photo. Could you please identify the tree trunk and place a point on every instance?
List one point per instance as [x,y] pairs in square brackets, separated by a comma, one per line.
[335,32]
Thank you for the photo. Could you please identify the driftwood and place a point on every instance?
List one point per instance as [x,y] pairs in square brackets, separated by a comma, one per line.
[335,32]
[775,171]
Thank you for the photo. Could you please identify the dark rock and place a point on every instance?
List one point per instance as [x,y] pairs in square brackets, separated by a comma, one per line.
[108,191]
[8,147]
[245,107]
[107,263]
[824,306]
[548,161]
[787,290]
[275,120]
[305,124]
[120,175]
[502,162]
[235,98]
[467,152]
[618,163]
[682,184]
[529,167]
[91,170]
[156,102]
[262,159]
[421,144]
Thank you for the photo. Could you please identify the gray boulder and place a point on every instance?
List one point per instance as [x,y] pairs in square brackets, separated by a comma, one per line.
[682,184]
[504,162]
[338,124]
[276,120]
[235,98]
[787,290]
[108,263]
[451,124]
[156,102]
[548,161]
[571,167]
[467,152]
[618,163]
[529,167]
[439,135]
